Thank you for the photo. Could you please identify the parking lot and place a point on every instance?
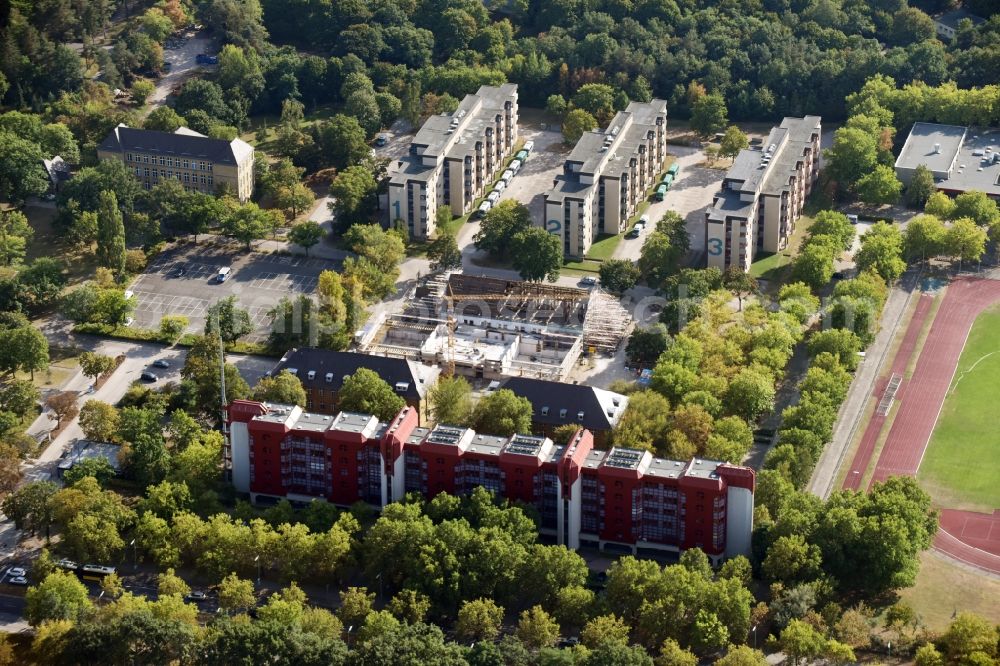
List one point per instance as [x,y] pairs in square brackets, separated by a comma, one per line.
[183,281]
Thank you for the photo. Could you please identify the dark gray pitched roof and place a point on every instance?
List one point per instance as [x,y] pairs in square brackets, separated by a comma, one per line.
[395,371]
[556,404]
[126,139]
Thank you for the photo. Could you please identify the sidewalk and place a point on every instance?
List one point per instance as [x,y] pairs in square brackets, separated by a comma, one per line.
[863,386]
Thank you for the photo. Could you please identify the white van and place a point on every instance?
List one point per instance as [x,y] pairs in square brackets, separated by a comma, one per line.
[224,274]
[528,145]
[514,167]
[500,187]
[506,176]
[485,207]
[493,197]
[644,220]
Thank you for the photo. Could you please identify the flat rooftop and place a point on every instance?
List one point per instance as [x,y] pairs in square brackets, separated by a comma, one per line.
[935,146]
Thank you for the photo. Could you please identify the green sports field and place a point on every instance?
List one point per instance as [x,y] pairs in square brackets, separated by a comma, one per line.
[961,467]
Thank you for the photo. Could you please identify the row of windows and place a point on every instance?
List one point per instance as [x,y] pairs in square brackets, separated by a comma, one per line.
[170,162]
[145,172]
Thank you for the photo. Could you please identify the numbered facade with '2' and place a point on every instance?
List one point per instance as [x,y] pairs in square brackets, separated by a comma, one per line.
[763,194]
[606,177]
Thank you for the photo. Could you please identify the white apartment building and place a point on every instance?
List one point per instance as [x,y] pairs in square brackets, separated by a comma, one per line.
[454,158]
[762,195]
[606,176]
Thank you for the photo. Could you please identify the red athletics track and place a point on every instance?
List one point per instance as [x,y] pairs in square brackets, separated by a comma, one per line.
[922,397]
[863,456]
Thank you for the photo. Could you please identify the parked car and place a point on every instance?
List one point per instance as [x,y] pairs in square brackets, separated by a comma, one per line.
[18,580]
[515,166]
[16,571]
[148,377]
[492,198]
[529,146]
[853,219]
[160,363]
[588,281]
[224,274]
[506,176]
[69,565]
[205,59]
[634,232]
[129,321]
[643,221]
[485,208]
[500,186]
[129,294]
[382,139]
[197,595]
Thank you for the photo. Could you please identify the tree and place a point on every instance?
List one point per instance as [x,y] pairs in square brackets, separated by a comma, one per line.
[597,99]
[969,635]
[940,205]
[249,222]
[965,241]
[94,365]
[603,629]
[672,654]
[814,265]
[20,173]
[924,237]
[646,345]
[451,401]
[444,253]
[163,119]
[99,468]
[799,640]
[978,207]
[709,114]
[928,655]
[575,124]
[141,90]
[409,606]
[733,141]
[854,154]
[842,343]
[879,186]
[537,254]
[227,320]
[30,506]
[172,327]
[99,421]
[619,275]
[498,229]
[742,284]
[750,394]
[285,389]
[791,560]
[19,396]
[503,413]
[355,605]
[882,252]
[23,348]
[339,142]
[479,620]
[920,188]
[15,234]
[236,594]
[742,655]
[367,393]
[306,234]
[61,596]
[63,405]
[536,628]
[353,191]
[110,234]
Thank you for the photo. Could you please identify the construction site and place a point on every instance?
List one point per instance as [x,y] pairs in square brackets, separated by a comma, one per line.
[489,328]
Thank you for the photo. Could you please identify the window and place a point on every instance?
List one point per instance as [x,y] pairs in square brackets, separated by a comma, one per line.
[129,159]
[145,158]
[545,411]
[186,164]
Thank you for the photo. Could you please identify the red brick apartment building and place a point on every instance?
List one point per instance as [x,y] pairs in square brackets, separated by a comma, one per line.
[621,499]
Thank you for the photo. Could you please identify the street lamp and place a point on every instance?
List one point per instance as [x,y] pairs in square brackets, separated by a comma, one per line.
[135,555]
[754,630]
[257,561]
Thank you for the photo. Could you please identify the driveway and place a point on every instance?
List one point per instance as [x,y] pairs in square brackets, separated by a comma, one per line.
[692,192]
[182,61]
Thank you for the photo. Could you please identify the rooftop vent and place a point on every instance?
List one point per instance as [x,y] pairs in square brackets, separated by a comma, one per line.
[579,416]
[562,413]
[311,374]
[402,387]
[292,371]
[545,411]
[937,148]
[329,377]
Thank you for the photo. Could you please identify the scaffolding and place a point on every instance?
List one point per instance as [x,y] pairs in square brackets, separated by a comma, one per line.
[605,324]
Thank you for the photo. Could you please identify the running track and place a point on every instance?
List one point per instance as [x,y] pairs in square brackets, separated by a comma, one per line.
[863,456]
[920,403]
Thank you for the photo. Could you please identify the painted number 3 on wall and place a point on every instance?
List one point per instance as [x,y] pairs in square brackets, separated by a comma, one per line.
[715,246]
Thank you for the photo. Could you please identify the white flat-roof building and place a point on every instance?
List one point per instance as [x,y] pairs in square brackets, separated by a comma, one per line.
[606,176]
[453,158]
[961,159]
[762,195]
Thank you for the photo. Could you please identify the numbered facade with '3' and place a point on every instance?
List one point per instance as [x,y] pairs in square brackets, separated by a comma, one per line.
[763,194]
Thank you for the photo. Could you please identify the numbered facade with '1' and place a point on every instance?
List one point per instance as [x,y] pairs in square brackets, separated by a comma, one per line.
[607,176]
[454,158]
[763,194]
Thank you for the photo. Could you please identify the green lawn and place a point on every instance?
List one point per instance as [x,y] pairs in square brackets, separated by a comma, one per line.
[774,267]
[604,247]
[962,463]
